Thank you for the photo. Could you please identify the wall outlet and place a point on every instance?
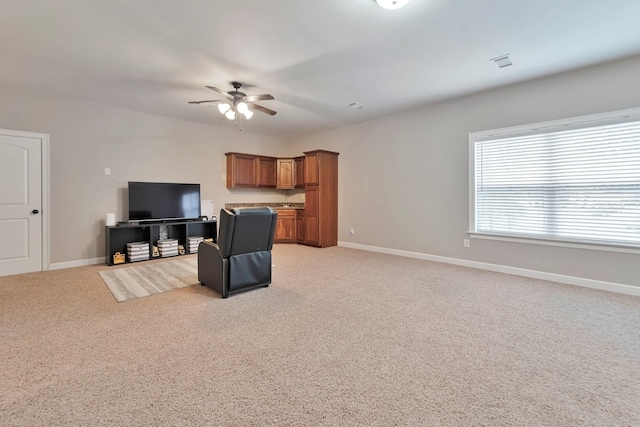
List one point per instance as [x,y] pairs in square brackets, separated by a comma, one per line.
[466,243]
[107,171]
[352,231]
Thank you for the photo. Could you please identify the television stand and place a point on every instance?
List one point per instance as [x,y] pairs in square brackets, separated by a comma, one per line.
[118,236]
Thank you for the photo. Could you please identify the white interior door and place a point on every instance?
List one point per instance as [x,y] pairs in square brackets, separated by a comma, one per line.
[20,203]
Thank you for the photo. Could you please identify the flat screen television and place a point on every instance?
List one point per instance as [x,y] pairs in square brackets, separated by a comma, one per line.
[161,201]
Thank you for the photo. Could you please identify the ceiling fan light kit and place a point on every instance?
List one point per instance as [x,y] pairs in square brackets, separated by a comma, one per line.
[392,4]
[238,102]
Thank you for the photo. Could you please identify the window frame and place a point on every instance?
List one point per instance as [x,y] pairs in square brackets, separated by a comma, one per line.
[632,114]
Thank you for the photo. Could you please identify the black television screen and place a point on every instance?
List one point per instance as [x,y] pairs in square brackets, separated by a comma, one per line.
[149,201]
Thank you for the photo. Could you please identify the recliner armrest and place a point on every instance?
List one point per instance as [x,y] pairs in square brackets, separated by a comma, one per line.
[208,246]
[213,269]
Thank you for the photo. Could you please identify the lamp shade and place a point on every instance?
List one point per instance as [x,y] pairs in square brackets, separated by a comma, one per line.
[242,107]
[248,114]
[231,115]
[223,107]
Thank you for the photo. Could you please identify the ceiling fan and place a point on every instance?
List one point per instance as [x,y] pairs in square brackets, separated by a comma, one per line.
[238,102]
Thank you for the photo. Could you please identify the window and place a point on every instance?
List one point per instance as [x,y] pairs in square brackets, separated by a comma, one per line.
[574,181]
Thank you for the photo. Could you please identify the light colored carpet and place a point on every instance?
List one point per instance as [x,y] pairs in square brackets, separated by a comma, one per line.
[342,337]
[145,278]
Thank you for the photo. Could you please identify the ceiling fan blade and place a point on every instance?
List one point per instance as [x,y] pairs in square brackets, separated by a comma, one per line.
[261,109]
[202,102]
[220,91]
[264,97]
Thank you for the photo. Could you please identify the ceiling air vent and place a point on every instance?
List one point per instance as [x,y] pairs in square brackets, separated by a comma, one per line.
[355,105]
[502,61]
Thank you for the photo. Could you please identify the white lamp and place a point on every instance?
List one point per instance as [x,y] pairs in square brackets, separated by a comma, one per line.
[242,107]
[223,107]
[392,4]
[230,111]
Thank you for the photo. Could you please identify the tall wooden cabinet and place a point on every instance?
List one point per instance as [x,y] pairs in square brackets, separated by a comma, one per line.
[321,198]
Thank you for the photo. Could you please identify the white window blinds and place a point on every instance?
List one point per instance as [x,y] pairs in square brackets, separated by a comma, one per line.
[577,184]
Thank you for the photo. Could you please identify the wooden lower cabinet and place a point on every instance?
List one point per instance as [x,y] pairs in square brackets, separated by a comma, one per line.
[300,231]
[286,226]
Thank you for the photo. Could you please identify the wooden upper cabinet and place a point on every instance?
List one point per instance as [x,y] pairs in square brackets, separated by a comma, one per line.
[299,171]
[250,170]
[286,173]
[267,172]
[241,170]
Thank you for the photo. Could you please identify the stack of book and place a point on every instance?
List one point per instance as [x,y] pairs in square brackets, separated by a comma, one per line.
[138,251]
[194,241]
[168,247]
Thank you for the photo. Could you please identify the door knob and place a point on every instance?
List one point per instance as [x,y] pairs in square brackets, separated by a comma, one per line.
[35,211]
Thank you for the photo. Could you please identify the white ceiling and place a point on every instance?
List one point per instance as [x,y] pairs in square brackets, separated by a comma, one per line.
[314,57]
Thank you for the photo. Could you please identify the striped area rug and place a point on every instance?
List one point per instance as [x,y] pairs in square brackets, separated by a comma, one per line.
[151,278]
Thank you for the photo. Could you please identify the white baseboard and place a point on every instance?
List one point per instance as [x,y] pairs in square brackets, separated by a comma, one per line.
[534,274]
[78,263]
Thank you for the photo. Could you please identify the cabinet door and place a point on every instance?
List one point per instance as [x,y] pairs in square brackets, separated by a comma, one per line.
[299,169]
[285,226]
[286,177]
[300,230]
[267,172]
[241,170]
[311,175]
[311,215]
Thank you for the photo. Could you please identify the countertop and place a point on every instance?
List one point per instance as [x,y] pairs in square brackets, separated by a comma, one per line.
[278,205]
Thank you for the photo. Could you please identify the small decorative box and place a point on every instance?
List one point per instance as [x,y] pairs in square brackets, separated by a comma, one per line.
[118,258]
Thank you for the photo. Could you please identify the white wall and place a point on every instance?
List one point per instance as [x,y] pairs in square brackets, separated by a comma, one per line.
[85,138]
[403,179]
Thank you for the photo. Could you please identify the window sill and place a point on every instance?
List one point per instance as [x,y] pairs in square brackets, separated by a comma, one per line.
[546,242]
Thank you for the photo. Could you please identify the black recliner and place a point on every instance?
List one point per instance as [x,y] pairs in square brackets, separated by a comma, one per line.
[241,260]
